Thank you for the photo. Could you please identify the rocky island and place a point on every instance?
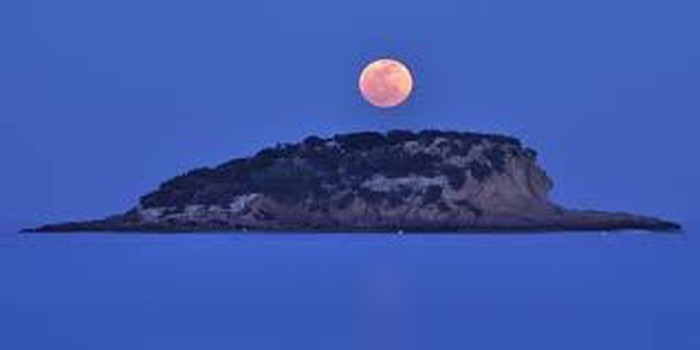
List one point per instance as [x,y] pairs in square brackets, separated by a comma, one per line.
[400,181]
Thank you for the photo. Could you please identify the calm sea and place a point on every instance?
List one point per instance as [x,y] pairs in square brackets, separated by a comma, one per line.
[342,291]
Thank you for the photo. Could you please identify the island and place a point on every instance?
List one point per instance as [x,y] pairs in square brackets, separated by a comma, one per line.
[398,181]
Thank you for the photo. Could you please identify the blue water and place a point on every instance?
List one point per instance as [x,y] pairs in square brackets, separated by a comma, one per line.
[272,291]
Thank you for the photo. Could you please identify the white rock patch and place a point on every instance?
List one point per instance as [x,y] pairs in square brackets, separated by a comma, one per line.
[242,201]
[381,183]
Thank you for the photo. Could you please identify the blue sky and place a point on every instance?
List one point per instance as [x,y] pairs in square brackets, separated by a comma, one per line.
[100,101]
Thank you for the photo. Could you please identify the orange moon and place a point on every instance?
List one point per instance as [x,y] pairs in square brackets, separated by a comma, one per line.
[386,83]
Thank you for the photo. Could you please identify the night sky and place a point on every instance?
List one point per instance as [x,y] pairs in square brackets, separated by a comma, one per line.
[100,101]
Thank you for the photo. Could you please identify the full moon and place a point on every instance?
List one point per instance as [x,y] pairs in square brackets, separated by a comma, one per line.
[386,83]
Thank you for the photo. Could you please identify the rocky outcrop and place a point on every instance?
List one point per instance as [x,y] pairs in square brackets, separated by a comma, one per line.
[399,181]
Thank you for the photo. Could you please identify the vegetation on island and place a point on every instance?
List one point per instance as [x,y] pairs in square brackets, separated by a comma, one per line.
[318,168]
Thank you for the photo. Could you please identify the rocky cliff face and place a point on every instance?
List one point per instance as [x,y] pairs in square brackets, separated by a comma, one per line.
[426,181]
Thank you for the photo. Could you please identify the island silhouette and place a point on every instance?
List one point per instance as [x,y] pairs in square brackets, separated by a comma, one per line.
[399,181]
